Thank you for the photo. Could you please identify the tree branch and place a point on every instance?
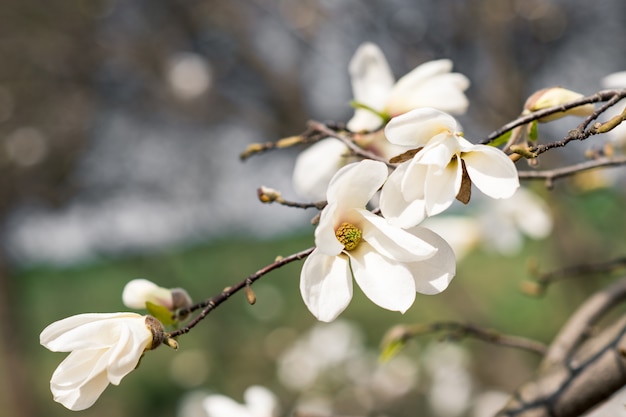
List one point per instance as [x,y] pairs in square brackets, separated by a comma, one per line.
[212,303]
[553,174]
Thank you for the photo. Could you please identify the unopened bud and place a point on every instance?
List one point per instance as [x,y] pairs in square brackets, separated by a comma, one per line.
[268,195]
[182,301]
[140,291]
[556,96]
[250,295]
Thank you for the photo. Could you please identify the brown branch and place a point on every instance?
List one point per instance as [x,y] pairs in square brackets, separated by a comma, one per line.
[568,389]
[456,330]
[544,279]
[354,148]
[607,95]
[579,324]
[212,303]
[553,174]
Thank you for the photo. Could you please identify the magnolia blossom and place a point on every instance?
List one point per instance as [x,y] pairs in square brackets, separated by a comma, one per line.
[429,182]
[139,291]
[259,402]
[104,349]
[389,264]
[429,85]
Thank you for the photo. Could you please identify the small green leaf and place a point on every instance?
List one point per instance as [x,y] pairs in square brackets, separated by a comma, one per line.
[502,139]
[160,313]
[391,349]
[532,132]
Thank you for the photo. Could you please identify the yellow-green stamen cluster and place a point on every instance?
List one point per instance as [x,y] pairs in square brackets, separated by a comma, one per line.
[349,235]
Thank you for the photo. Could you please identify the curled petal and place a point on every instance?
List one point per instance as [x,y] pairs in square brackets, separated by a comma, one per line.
[325,238]
[417,127]
[491,171]
[83,331]
[434,274]
[388,284]
[326,285]
[315,167]
[76,383]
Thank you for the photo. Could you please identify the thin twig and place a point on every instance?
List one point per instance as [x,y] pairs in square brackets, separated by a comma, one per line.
[553,174]
[547,278]
[595,98]
[458,330]
[210,304]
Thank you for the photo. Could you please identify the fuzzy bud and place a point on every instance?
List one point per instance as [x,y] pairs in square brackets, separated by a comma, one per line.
[556,96]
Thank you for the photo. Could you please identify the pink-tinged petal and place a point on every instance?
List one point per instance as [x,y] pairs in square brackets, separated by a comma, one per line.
[417,127]
[83,331]
[388,284]
[315,167]
[395,207]
[326,285]
[372,81]
[325,238]
[355,184]
[491,171]
[442,186]
[393,242]
[434,274]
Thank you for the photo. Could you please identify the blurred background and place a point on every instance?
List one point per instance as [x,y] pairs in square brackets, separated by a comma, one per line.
[121,122]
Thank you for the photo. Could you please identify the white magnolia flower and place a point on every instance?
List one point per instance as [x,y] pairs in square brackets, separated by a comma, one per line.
[139,291]
[259,402]
[388,263]
[104,349]
[429,85]
[429,183]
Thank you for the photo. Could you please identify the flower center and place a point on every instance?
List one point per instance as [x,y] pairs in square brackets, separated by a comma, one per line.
[349,235]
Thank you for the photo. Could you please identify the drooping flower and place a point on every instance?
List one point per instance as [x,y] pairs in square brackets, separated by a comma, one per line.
[104,347]
[389,264]
[429,182]
[429,85]
[258,402]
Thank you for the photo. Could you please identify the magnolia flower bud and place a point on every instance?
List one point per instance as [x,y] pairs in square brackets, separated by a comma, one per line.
[140,291]
[556,96]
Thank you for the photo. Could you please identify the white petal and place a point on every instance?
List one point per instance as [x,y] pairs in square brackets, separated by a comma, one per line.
[439,151]
[325,238]
[355,184]
[443,92]
[388,284]
[326,285]
[92,330]
[261,402]
[434,274]
[315,167]
[139,291]
[80,379]
[393,242]
[417,127]
[442,186]
[491,171]
[393,205]
[222,406]
[125,354]
[615,80]
[372,81]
